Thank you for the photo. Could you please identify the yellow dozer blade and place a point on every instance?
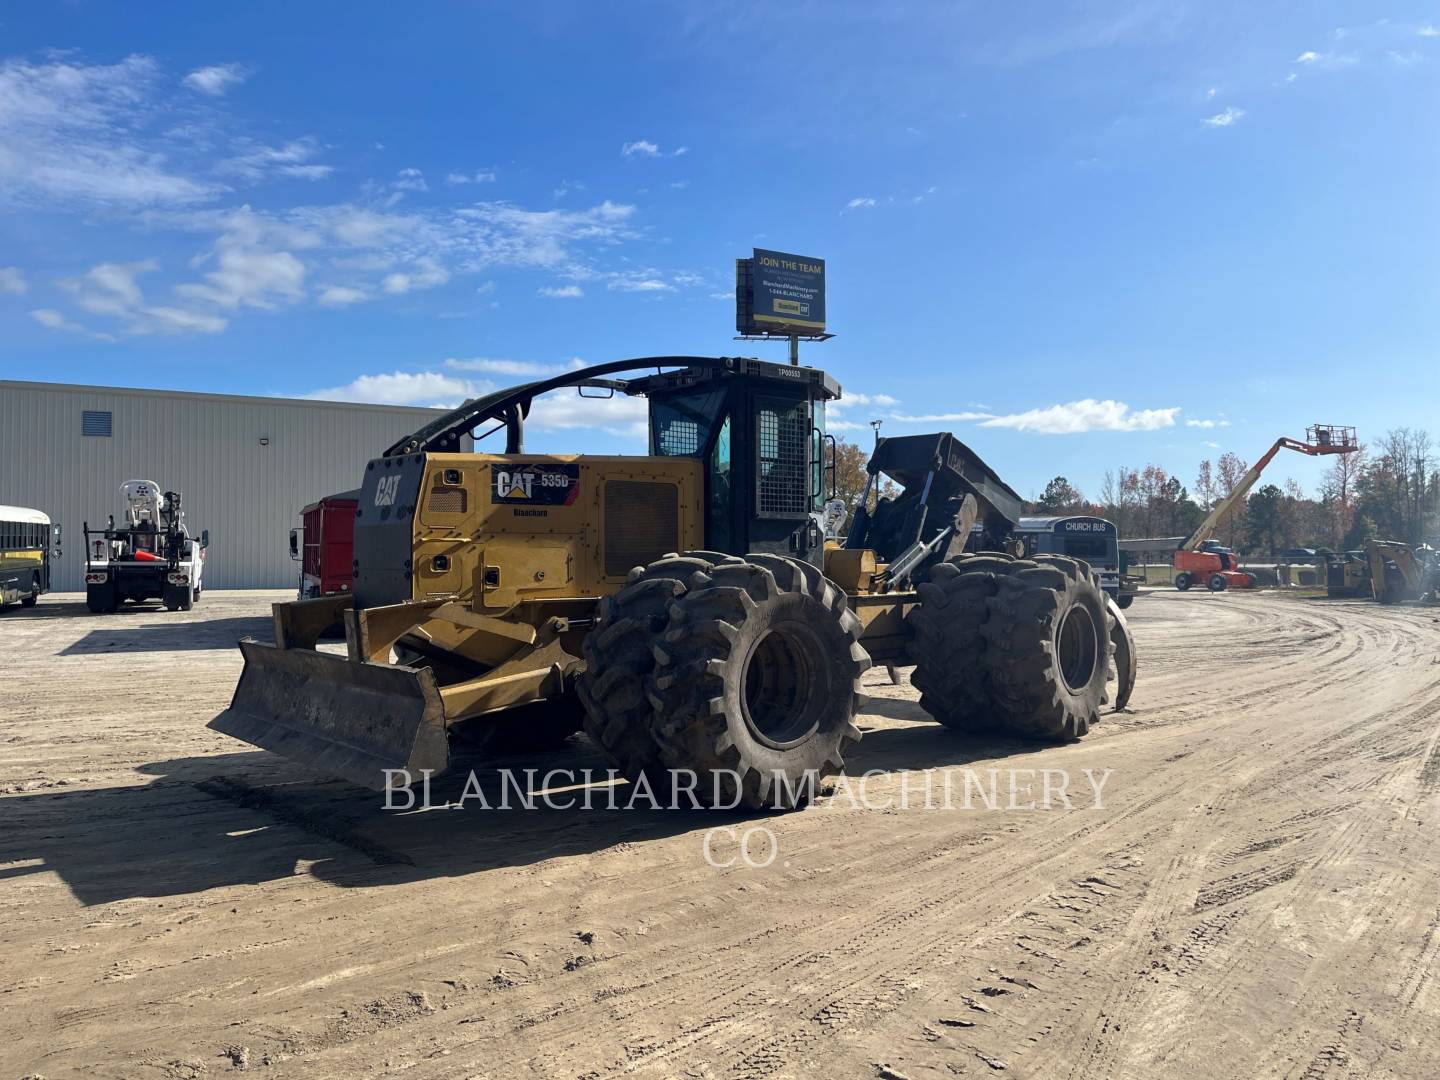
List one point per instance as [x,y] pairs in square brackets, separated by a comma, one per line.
[342,717]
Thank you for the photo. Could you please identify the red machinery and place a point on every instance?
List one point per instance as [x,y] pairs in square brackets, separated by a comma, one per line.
[324,545]
[1200,559]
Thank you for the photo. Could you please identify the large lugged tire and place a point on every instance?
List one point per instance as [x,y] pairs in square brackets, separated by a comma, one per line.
[1047,649]
[946,644]
[757,681]
[618,659]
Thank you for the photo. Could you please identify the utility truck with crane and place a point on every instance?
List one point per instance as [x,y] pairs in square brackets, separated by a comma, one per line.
[1202,560]
[684,607]
[150,557]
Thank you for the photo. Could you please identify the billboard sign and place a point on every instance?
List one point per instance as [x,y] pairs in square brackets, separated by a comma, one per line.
[779,293]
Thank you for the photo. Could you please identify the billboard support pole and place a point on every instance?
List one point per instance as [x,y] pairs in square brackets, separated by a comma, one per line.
[794,351]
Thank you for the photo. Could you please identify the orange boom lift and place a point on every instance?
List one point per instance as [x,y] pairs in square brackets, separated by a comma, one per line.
[1200,560]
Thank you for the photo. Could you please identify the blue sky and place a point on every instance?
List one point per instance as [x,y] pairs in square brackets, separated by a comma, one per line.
[1080,235]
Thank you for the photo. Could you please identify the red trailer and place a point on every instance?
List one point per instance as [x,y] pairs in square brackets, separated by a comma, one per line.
[324,545]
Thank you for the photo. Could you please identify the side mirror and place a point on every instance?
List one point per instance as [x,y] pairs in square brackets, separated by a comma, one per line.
[204,538]
[294,543]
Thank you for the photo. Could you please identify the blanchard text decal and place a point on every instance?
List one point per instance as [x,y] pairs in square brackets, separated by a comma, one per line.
[535,485]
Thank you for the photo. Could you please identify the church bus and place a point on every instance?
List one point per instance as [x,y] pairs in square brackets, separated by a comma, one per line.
[1080,536]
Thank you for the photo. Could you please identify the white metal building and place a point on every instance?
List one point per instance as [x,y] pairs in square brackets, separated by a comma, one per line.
[244,465]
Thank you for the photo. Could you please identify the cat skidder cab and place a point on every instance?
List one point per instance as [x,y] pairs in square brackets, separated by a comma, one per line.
[684,608]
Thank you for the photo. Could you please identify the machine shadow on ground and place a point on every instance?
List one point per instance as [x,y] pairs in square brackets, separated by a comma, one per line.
[249,817]
[175,635]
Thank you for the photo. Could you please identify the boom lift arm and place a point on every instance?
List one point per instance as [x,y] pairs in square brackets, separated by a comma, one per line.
[1322,439]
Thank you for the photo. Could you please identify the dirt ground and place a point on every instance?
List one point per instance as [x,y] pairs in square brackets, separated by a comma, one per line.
[1257,895]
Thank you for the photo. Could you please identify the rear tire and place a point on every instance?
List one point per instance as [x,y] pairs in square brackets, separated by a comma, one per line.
[1183,582]
[102,599]
[1122,645]
[34,596]
[178,598]
[1218,583]
[946,644]
[1047,649]
[757,681]
[1125,600]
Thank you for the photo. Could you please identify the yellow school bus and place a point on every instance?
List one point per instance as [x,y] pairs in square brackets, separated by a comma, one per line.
[27,542]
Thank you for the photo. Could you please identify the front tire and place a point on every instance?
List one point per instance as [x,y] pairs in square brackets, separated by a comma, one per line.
[1183,582]
[1125,600]
[757,682]
[1218,583]
[618,659]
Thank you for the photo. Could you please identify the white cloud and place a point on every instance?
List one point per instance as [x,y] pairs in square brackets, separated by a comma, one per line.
[940,418]
[1228,116]
[337,296]
[111,288]
[173,320]
[1207,424]
[1428,31]
[640,148]
[640,281]
[425,274]
[1079,417]
[860,202]
[1212,445]
[560,292]
[54,320]
[565,410]
[425,388]
[1309,56]
[680,151]
[255,161]
[561,410]
[411,179]
[76,133]
[12,280]
[483,176]
[216,80]
[495,366]
[248,275]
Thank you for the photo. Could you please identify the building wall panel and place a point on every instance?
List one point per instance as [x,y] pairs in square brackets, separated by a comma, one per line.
[207,447]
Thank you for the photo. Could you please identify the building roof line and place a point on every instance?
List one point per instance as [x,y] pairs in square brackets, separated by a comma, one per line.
[247,399]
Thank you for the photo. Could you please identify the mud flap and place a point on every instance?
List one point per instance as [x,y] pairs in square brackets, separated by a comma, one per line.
[347,719]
